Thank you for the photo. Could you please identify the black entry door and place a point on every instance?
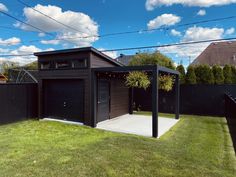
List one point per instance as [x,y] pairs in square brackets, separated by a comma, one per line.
[103,104]
[64,99]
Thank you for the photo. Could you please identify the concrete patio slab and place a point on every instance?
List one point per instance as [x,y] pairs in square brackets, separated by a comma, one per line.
[137,124]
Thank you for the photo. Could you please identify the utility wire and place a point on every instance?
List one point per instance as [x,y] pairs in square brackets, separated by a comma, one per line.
[126,32]
[118,33]
[50,34]
[149,47]
[65,25]
[26,23]
[170,45]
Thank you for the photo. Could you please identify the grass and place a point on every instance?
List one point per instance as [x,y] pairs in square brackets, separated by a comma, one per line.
[146,113]
[196,147]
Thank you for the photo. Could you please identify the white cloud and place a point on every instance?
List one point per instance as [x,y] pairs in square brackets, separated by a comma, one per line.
[41,34]
[3,50]
[193,34]
[3,7]
[22,50]
[81,23]
[112,54]
[152,4]
[200,33]
[201,12]
[230,31]
[175,32]
[25,50]
[10,42]
[163,20]
[53,42]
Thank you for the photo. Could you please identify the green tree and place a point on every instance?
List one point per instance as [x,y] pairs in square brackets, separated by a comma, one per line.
[204,74]
[5,66]
[233,69]
[218,74]
[156,58]
[227,74]
[190,76]
[31,66]
[181,70]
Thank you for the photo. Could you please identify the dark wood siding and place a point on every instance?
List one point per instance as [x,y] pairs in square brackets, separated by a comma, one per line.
[97,62]
[119,98]
[68,74]
[61,56]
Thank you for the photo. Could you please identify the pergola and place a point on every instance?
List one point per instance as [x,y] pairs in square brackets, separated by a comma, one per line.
[155,70]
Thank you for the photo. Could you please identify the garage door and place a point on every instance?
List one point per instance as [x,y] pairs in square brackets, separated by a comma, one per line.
[64,99]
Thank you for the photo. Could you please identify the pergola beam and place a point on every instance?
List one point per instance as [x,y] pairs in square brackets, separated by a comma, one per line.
[155,70]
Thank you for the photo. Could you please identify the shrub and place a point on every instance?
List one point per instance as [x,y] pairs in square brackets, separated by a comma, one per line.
[227,74]
[181,70]
[218,74]
[190,76]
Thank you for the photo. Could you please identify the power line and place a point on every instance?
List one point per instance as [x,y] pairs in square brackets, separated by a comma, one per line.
[19,55]
[26,23]
[65,25]
[116,33]
[149,47]
[50,34]
[126,32]
[169,45]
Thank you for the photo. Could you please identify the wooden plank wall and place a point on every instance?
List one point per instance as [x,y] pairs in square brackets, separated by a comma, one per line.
[119,98]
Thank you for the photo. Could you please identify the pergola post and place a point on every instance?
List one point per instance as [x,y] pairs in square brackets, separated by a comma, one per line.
[177,96]
[131,100]
[155,73]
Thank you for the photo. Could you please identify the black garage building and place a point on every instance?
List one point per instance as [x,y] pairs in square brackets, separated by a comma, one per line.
[87,86]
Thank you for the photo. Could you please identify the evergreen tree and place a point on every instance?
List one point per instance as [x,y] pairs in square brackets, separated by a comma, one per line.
[190,76]
[204,74]
[233,69]
[227,74]
[181,70]
[218,74]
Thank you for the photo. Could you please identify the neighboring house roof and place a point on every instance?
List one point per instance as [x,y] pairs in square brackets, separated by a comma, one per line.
[83,49]
[220,53]
[124,59]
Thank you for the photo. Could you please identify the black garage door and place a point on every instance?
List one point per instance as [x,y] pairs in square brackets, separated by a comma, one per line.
[64,99]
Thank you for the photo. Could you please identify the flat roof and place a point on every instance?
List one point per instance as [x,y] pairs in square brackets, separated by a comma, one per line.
[74,50]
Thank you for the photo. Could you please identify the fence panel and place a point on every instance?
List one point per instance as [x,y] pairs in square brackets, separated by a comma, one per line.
[17,102]
[230,114]
[194,99]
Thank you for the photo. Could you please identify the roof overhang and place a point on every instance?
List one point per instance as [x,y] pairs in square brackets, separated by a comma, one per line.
[75,50]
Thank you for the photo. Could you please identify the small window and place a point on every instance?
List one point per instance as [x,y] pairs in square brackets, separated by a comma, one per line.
[81,63]
[46,65]
[62,64]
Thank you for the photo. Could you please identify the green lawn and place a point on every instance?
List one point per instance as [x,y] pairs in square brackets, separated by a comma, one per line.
[196,146]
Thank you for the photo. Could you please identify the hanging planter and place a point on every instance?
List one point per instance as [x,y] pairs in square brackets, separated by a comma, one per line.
[137,79]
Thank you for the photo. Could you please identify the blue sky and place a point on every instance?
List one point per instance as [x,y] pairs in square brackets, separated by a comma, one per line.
[97,17]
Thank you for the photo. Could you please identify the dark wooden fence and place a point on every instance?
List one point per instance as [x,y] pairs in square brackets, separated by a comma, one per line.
[230,114]
[17,102]
[194,99]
